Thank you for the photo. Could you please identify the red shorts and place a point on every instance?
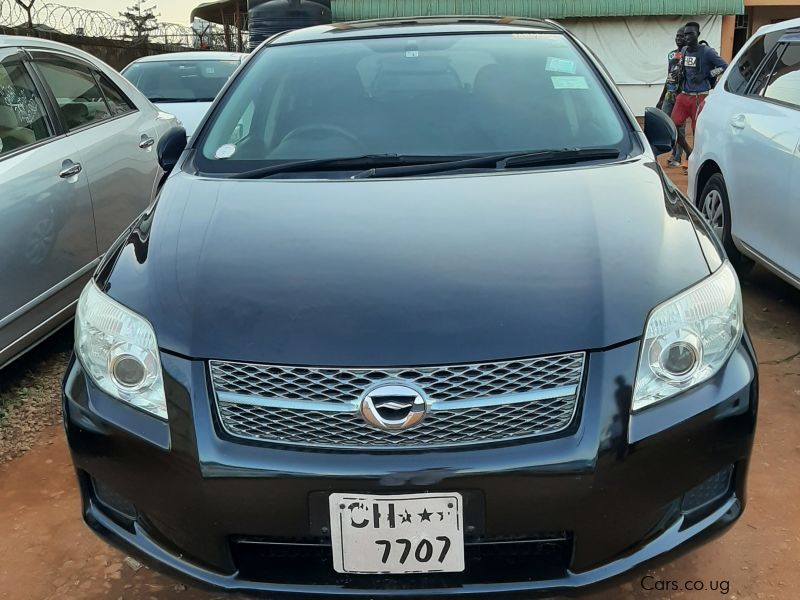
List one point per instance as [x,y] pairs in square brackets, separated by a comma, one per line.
[687,107]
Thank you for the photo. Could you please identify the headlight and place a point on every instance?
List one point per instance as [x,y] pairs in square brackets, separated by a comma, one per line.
[118,349]
[689,338]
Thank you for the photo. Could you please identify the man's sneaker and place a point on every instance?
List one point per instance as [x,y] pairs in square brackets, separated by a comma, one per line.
[673,163]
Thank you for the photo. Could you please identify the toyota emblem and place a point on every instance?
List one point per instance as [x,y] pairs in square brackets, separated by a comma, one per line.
[393,406]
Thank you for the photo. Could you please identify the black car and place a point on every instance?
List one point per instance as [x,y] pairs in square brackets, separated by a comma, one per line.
[416,313]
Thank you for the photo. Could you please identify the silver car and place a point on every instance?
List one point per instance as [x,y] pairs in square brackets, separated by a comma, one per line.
[77,165]
[183,83]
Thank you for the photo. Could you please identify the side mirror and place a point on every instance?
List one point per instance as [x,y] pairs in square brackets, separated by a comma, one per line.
[170,148]
[659,130]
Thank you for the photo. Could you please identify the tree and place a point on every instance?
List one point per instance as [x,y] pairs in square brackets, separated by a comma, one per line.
[141,19]
[28,8]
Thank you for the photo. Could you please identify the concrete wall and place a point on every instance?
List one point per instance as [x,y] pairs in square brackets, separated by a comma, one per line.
[116,53]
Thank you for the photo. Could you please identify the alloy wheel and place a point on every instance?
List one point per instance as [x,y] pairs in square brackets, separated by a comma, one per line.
[713,212]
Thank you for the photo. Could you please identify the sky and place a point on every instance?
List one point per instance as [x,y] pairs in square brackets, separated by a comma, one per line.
[172,11]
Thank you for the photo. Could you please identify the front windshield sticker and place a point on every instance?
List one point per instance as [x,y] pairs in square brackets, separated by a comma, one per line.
[225,151]
[561,82]
[560,65]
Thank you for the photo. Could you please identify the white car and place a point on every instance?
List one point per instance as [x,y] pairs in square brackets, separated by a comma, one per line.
[744,173]
[183,83]
[78,164]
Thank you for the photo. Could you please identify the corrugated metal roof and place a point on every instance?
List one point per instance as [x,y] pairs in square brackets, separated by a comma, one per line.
[354,10]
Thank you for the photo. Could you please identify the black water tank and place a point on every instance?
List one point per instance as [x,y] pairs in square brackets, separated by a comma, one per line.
[268,17]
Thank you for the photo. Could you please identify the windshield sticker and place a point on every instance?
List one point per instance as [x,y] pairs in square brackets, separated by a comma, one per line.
[225,151]
[412,53]
[210,70]
[560,82]
[560,65]
[525,36]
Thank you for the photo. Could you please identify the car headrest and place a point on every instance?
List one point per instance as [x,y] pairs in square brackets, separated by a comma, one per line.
[75,114]
[491,81]
[8,118]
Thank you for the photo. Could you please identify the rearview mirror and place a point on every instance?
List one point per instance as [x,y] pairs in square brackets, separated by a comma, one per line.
[170,148]
[659,130]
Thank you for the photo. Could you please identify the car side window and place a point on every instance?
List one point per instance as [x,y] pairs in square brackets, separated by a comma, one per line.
[76,91]
[741,74]
[783,84]
[23,119]
[118,103]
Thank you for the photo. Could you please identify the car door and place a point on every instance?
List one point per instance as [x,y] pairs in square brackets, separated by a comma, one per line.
[47,239]
[782,90]
[116,138]
[763,150]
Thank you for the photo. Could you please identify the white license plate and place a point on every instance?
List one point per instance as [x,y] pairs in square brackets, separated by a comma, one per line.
[419,533]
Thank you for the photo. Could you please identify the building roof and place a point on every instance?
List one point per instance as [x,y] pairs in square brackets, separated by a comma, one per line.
[219,11]
[353,10]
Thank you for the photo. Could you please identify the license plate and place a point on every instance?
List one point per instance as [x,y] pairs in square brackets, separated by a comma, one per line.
[419,533]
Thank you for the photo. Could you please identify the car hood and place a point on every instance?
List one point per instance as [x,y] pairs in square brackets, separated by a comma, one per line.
[407,271]
[188,113]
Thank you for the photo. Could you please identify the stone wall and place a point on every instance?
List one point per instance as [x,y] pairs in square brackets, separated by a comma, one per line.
[117,53]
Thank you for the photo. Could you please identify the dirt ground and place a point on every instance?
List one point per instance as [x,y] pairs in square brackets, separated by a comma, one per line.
[46,552]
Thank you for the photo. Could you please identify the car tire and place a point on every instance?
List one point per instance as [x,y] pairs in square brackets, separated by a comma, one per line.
[714,205]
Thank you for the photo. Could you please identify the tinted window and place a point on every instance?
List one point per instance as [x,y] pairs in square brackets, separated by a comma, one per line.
[118,104]
[448,95]
[23,119]
[181,81]
[744,69]
[784,82]
[76,91]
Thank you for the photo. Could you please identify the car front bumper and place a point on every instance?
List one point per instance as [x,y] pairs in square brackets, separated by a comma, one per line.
[548,514]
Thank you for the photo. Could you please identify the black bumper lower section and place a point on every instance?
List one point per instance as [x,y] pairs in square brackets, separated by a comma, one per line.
[549,515]
[679,535]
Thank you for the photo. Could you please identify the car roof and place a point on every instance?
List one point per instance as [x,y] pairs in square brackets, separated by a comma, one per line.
[415,26]
[21,41]
[790,24]
[190,56]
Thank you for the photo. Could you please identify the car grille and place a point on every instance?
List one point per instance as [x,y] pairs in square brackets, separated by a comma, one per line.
[469,404]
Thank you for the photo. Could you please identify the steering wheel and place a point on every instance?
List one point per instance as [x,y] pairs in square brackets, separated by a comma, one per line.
[314,129]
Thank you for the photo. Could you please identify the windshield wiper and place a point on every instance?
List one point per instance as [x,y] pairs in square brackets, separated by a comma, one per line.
[498,161]
[351,162]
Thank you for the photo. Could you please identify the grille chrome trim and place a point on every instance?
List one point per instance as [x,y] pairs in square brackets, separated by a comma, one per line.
[563,391]
[234,398]
[348,407]
[468,404]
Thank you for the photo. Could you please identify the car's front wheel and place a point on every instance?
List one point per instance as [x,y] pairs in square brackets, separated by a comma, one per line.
[713,203]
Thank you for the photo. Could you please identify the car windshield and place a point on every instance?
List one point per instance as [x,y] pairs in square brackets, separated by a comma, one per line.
[181,81]
[429,96]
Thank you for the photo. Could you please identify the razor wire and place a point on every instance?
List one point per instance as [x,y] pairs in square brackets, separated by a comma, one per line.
[73,20]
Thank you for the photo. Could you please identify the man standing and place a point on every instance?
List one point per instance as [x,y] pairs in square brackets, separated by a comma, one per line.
[699,66]
[670,92]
